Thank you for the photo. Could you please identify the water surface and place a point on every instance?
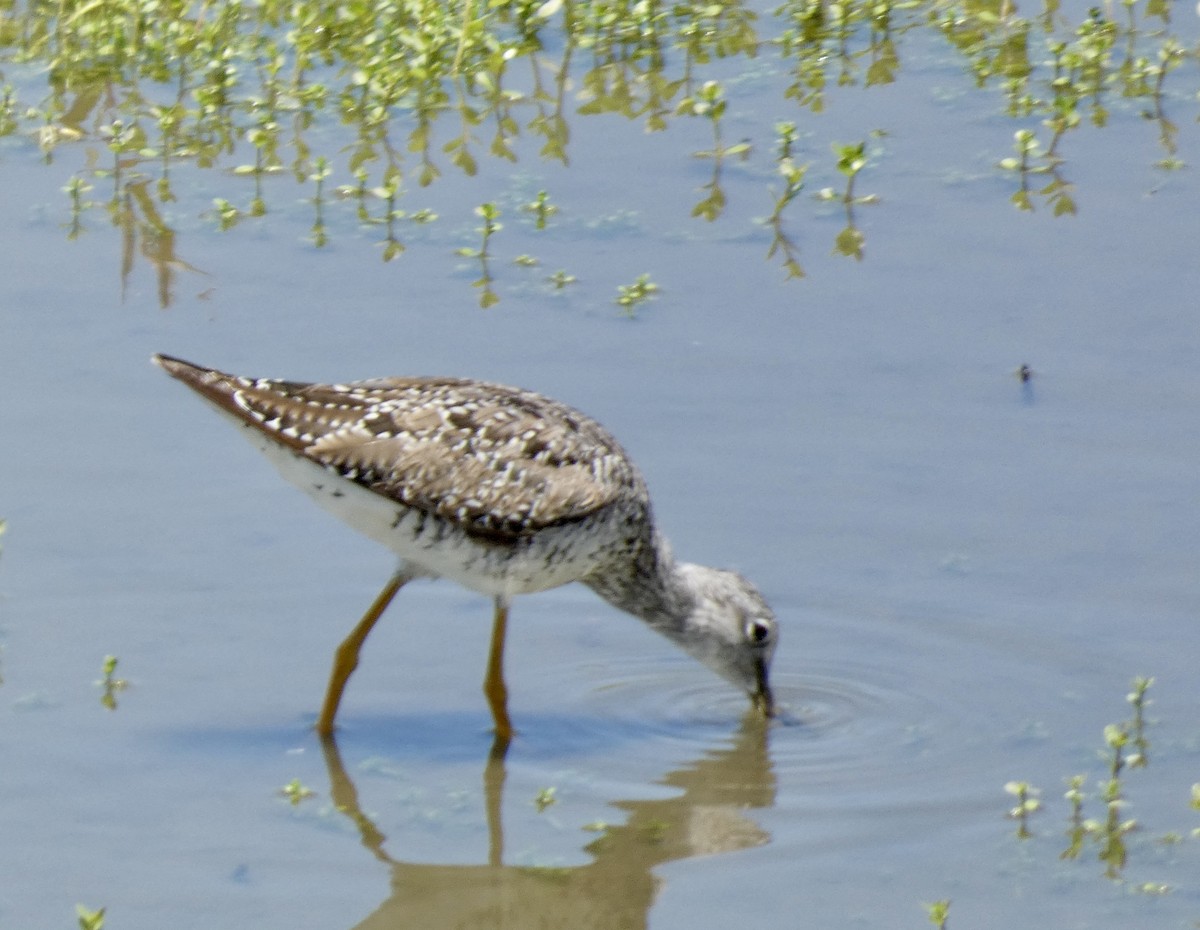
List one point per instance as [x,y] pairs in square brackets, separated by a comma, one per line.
[969,571]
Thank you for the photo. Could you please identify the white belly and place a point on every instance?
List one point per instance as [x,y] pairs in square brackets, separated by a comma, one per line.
[436,547]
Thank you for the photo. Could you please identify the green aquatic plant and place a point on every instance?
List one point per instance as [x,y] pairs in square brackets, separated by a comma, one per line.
[1111,832]
[545,798]
[490,214]
[77,190]
[9,120]
[321,170]
[1027,805]
[631,296]
[541,208]
[561,279]
[371,96]
[89,919]
[1126,749]
[295,792]
[793,175]
[227,214]
[1137,726]
[110,685]
[387,194]
[1078,830]
[851,159]
[1032,161]
[938,913]
[709,102]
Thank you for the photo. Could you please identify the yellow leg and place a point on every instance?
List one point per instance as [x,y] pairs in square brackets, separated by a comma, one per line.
[345,659]
[494,776]
[493,684]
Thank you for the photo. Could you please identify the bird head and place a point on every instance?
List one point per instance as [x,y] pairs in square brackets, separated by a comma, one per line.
[729,627]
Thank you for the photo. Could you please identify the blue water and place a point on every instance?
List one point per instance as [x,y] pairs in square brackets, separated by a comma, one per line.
[969,571]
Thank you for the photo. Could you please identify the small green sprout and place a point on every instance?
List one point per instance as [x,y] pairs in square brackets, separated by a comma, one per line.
[1078,829]
[1137,697]
[295,792]
[110,685]
[1111,834]
[545,798]
[629,296]
[1116,735]
[561,279]
[851,159]
[77,189]
[709,102]
[1028,148]
[939,913]
[1035,159]
[541,208]
[321,170]
[89,919]
[227,214]
[793,178]
[1027,804]
[490,214]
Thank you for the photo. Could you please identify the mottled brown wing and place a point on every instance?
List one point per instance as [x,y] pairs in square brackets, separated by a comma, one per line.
[498,461]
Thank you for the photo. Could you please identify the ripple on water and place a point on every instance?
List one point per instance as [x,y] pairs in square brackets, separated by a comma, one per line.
[881,716]
[914,718]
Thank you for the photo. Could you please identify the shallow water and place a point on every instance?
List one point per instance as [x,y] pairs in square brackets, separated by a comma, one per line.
[969,571]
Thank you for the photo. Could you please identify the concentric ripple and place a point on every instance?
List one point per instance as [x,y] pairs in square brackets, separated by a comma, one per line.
[879,718]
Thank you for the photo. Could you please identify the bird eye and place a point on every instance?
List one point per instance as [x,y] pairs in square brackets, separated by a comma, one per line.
[759,631]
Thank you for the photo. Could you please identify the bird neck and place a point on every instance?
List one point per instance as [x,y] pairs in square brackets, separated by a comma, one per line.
[650,585]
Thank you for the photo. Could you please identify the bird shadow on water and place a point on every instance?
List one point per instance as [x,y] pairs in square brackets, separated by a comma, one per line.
[706,815]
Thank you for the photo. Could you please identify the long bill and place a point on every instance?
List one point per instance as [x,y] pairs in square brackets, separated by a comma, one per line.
[762,697]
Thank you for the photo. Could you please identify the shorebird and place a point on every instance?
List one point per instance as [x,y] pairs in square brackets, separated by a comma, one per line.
[502,490]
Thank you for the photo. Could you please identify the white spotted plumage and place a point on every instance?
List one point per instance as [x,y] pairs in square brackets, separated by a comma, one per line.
[502,490]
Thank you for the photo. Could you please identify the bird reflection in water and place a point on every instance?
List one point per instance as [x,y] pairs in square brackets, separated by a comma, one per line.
[616,889]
